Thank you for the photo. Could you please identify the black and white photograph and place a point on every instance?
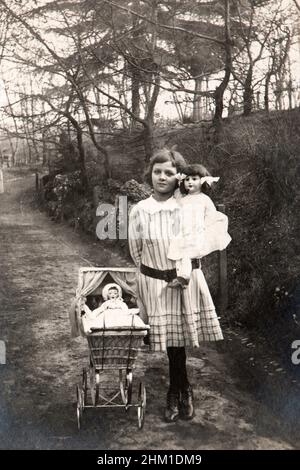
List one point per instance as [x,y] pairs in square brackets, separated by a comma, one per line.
[149,227]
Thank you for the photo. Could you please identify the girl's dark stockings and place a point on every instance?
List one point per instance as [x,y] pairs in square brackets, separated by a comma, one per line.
[177,369]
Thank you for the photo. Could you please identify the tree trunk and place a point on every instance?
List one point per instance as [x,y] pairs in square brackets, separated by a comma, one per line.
[81,152]
[148,141]
[149,121]
[220,90]
[134,71]
[13,151]
[28,157]
[197,112]
[107,166]
[266,96]
[248,92]
[99,147]
[32,112]
[44,148]
[290,93]
[135,93]
[278,94]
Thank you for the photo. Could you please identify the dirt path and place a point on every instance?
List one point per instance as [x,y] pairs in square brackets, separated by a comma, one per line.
[39,263]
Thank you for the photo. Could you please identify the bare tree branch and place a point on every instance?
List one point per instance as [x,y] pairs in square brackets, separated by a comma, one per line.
[165,26]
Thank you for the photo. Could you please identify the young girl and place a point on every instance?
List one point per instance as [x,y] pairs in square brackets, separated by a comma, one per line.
[203,229]
[176,319]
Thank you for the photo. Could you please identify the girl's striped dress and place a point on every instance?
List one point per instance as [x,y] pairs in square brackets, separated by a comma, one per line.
[177,317]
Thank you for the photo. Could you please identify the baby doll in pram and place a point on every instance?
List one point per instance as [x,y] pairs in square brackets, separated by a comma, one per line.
[113,312]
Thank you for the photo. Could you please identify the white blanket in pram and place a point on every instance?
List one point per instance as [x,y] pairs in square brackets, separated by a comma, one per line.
[111,318]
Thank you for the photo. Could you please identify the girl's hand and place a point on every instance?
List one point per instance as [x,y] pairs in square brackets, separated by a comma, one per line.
[179,282]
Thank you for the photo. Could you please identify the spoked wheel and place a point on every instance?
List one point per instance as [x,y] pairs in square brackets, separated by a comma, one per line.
[84,387]
[141,409]
[94,385]
[79,406]
[126,388]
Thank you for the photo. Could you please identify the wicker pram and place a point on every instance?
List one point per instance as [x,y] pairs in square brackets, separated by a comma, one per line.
[111,349]
[115,348]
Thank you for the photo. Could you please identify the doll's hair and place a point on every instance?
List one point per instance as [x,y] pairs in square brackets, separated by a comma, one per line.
[162,156]
[196,169]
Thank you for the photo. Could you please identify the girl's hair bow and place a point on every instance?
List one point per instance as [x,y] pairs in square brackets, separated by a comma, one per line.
[180,176]
[209,180]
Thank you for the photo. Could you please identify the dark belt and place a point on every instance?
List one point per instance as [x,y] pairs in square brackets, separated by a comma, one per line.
[168,274]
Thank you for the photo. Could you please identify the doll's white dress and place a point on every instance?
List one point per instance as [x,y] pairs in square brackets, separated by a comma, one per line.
[202,230]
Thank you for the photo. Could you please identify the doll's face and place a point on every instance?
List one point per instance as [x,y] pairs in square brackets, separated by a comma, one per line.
[192,184]
[113,294]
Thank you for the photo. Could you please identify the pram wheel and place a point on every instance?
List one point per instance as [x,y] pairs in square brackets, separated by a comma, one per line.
[94,385]
[141,409]
[126,389]
[79,407]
